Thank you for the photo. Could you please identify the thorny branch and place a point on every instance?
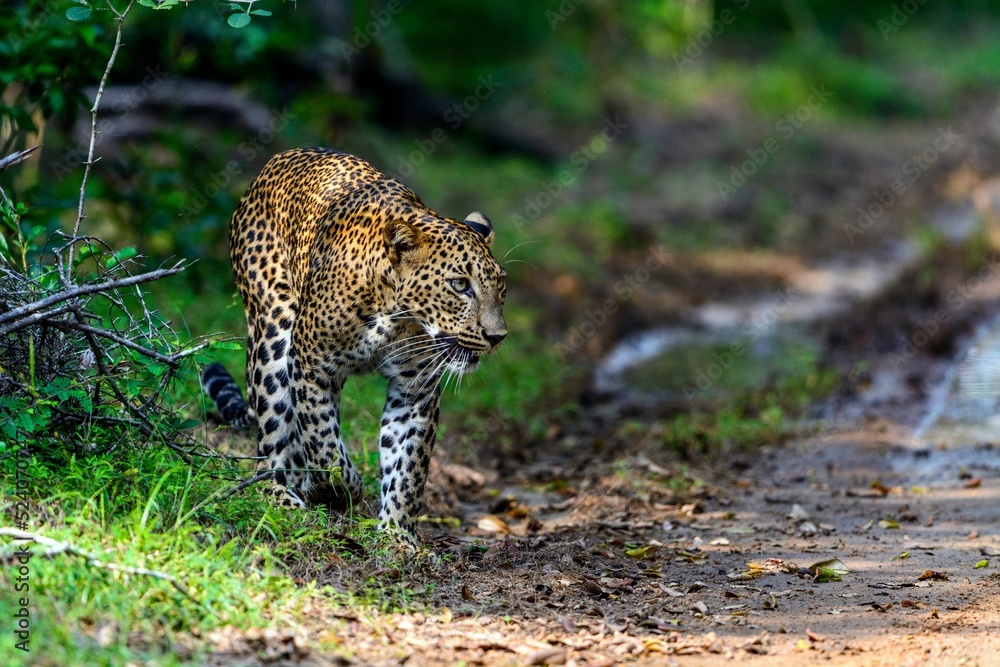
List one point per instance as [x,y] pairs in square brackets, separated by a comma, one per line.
[89,162]
[83,290]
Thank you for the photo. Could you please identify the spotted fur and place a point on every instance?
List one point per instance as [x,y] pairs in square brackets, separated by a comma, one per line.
[344,271]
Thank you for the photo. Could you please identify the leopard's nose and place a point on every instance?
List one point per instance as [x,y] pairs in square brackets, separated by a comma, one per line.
[495,339]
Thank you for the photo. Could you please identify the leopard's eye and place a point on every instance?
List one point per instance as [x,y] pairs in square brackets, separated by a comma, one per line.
[460,285]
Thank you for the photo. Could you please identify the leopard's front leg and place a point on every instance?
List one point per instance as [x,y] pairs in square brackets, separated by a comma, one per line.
[409,426]
[319,444]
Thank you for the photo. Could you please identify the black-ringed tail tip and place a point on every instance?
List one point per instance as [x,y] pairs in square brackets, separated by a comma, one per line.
[220,386]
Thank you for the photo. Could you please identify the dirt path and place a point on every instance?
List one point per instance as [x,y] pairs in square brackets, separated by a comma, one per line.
[613,574]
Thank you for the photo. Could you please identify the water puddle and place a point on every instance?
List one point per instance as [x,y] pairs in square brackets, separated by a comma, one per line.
[731,346]
[815,295]
[695,363]
[958,433]
[723,338]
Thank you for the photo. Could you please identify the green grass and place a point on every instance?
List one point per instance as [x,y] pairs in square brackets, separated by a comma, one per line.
[762,413]
[143,507]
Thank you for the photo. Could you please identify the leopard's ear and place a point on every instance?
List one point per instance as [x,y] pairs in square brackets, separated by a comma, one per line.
[403,241]
[480,224]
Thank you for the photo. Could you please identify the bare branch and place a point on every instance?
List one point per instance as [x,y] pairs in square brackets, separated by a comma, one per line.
[34,319]
[17,157]
[247,482]
[125,342]
[89,162]
[82,290]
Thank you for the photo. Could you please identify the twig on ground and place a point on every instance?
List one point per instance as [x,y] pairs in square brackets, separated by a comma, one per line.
[55,548]
[264,474]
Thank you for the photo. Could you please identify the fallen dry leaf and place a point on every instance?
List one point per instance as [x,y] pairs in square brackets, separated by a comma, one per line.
[547,656]
[813,637]
[882,489]
[798,513]
[672,592]
[493,524]
[932,575]
[973,483]
[691,556]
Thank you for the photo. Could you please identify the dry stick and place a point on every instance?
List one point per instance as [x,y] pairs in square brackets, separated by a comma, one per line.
[120,17]
[54,548]
[170,360]
[34,319]
[90,288]
[17,157]
[245,483]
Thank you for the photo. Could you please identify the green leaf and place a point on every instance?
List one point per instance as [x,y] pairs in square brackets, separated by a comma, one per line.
[78,13]
[239,20]
[261,12]
[828,570]
[120,256]
[225,345]
[641,552]
[981,564]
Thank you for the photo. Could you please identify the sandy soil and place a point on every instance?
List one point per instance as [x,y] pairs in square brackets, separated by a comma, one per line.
[618,570]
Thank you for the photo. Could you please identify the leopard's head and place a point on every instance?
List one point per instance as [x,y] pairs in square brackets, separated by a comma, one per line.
[449,283]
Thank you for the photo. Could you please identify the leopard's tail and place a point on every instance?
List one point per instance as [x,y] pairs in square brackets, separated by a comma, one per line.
[223,390]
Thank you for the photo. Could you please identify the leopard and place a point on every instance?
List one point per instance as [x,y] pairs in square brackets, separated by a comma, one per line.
[343,271]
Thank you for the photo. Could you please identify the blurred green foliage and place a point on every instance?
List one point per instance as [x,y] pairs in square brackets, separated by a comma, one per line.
[171,194]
